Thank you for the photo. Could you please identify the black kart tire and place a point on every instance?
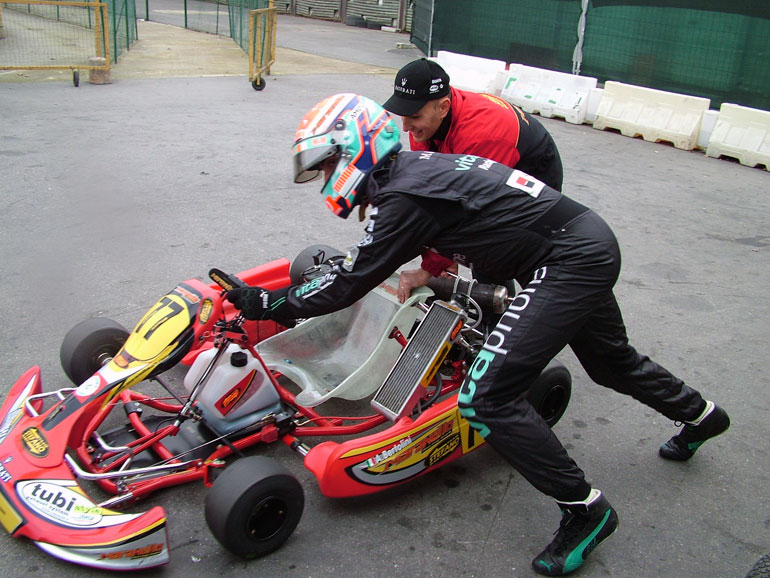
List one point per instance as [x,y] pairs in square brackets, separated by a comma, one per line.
[761,568]
[89,345]
[254,506]
[308,257]
[550,393]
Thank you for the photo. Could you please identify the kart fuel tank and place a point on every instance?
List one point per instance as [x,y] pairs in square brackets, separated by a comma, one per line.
[239,388]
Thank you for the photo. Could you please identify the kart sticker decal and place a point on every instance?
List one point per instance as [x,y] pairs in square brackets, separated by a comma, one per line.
[88,387]
[141,550]
[5,475]
[115,380]
[410,456]
[34,442]
[204,313]
[162,325]
[418,430]
[10,519]
[187,293]
[64,503]
[16,410]
[229,400]
[134,553]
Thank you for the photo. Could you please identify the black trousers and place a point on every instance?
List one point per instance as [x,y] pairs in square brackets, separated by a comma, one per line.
[568,301]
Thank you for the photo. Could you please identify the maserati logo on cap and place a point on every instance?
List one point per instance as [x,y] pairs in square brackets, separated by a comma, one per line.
[403,81]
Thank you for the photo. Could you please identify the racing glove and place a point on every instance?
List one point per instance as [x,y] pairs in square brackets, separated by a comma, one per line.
[257,303]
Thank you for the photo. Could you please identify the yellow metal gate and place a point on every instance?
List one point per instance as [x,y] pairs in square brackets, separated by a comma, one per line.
[262,24]
[48,35]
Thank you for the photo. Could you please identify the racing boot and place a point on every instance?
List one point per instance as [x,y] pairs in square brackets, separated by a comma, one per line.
[584,525]
[712,422]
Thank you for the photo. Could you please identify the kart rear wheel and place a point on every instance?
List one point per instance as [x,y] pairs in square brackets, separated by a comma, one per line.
[254,506]
[89,345]
[550,393]
[312,260]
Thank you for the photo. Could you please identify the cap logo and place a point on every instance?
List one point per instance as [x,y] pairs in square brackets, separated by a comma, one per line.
[403,81]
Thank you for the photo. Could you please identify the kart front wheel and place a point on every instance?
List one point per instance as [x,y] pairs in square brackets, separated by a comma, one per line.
[254,506]
[89,345]
[550,393]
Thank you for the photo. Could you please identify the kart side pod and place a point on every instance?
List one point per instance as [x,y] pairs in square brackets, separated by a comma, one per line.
[410,447]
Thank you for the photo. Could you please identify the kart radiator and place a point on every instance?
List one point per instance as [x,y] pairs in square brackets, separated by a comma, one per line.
[419,361]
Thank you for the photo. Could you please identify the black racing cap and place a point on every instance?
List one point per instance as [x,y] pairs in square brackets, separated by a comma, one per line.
[417,83]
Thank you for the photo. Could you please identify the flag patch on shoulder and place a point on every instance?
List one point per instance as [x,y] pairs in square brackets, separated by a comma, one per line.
[525,182]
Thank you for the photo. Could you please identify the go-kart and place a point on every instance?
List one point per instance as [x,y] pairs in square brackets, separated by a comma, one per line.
[246,383]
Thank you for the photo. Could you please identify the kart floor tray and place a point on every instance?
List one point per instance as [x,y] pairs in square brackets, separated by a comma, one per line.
[191,435]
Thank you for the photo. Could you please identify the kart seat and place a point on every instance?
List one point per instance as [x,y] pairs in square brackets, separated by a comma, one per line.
[348,353]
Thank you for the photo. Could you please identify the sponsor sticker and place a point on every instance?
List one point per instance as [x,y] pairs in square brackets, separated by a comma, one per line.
[88,387]
[58,502]
[204,313]
[9,517]
[15,411]
[34,442]
[133,553]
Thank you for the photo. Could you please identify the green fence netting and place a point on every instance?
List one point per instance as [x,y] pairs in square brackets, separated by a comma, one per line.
[121,30]
[711,48]
[239,20]
[122,22]
[222,17]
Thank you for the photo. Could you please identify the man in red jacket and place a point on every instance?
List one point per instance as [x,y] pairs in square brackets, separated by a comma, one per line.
[441,118]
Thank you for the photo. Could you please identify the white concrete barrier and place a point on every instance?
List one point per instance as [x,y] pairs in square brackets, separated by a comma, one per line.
[548,93]
[655,115]
[470,72]
[742,133]
[706,127]
[594,98]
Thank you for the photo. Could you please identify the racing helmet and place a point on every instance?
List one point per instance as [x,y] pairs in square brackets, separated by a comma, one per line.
[353,128]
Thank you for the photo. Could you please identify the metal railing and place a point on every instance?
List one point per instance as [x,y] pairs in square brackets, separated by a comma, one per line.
[49,35]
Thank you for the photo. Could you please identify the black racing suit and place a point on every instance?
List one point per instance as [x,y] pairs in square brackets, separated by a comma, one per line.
[503,224]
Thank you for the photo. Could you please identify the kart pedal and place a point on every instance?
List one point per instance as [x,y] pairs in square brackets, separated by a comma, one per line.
[419,361]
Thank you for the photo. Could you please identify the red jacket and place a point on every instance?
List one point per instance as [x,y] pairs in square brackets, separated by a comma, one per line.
[487,126]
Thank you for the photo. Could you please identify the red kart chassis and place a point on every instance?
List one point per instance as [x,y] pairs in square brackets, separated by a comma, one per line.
[50,443]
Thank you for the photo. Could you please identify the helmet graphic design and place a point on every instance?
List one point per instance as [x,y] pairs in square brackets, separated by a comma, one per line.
[354,128]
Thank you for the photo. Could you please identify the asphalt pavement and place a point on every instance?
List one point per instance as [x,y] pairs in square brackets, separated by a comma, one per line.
[111,194]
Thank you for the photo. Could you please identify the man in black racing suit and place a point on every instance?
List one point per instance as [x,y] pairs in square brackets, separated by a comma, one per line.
[504,224]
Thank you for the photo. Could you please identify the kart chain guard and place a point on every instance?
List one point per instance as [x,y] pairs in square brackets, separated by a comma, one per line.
[419,362]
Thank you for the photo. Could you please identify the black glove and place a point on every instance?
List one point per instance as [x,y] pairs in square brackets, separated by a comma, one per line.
[257,303]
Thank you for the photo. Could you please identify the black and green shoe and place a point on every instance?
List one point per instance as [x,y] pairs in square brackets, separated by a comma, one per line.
[584,525]
[712,422]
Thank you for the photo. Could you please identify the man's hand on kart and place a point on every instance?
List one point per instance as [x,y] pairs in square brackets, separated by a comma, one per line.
[411,279]
[257,303]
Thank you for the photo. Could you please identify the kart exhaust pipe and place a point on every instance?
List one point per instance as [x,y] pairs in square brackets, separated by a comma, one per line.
[490,297]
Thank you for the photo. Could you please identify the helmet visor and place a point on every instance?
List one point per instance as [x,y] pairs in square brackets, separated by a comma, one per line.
[310,153]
